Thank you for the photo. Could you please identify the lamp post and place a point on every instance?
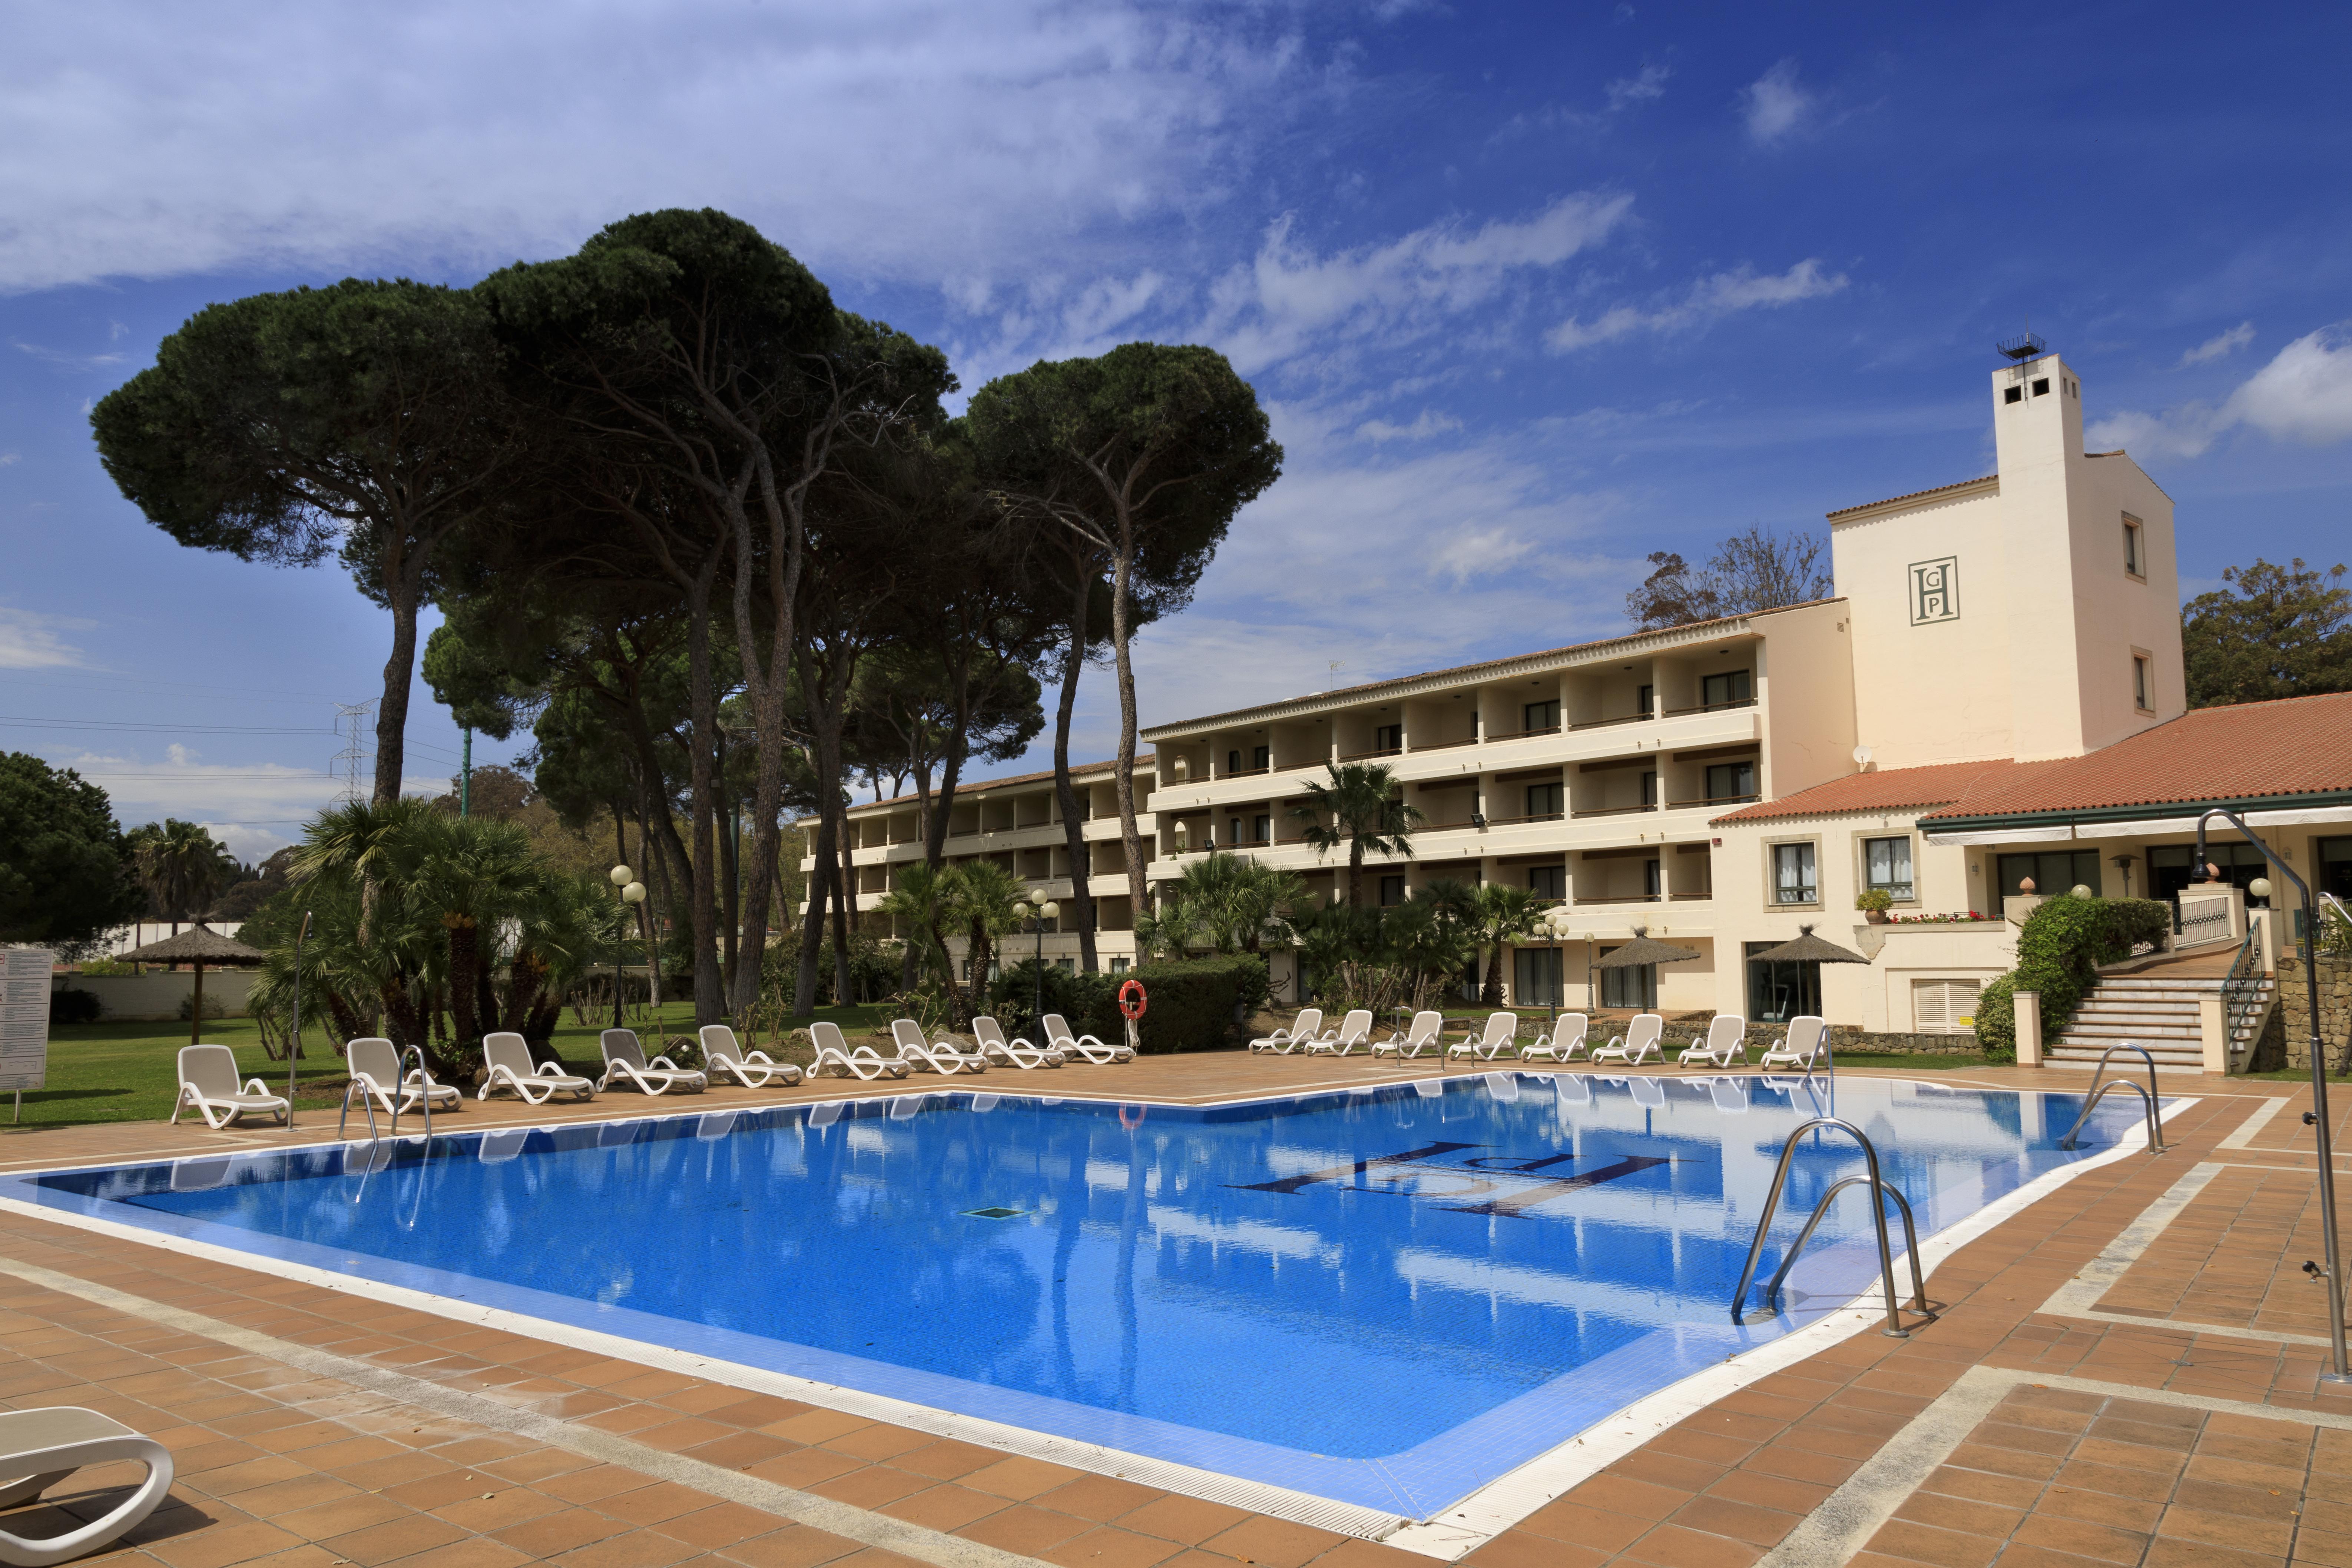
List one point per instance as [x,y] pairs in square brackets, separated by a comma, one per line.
[626,891]
[1043,908]
[1557,921]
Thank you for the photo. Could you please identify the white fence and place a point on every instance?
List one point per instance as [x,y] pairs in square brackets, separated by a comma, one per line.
[125,997]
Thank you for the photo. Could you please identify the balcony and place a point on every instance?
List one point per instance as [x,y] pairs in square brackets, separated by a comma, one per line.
[1713,801]
[1711,708]
[1621,899]
[1613,811]
[1367,756]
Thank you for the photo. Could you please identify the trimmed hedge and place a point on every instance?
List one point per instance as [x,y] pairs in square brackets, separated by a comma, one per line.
[2059,950]
[1192,1002]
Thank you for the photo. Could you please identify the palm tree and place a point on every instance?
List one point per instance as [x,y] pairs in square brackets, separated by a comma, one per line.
[1502,913]
[1358,809]
[181,866]
[985,900]
[474,874]
[917,906]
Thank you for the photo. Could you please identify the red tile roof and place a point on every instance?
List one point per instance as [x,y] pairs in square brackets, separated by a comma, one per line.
[1892,789]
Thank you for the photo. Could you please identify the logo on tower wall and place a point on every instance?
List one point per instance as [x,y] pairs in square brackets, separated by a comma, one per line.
[1935,591]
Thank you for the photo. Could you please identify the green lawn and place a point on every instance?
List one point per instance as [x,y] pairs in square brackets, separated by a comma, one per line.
[125,1072]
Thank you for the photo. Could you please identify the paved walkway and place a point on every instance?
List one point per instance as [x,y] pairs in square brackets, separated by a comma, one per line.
[2126,1372]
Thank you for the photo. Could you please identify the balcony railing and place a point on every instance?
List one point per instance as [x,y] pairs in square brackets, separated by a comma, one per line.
[1690,898]
[1612,811]
[1711,708]
[1529,734]
[1377,751]
[1604,723]
[1418,747]
[1512,821]
[1621,898]
[1242,774]
[1714,800]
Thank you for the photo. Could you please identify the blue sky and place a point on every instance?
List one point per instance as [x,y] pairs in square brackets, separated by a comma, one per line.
[1532,290]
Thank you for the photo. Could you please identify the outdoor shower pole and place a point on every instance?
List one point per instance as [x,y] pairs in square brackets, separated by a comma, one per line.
[294,1045]
[2319,1119]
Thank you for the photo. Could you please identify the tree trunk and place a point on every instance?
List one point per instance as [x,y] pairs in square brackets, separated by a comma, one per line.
[1074,826]
[465,958]
[844,906]
[1356,874]
[709,1001]
[813,922]
[730,885]
[1130,838]
[403,587]
[1490,995]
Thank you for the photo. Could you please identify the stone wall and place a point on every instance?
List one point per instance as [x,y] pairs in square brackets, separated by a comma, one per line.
[1681,1032]
[2291,1017]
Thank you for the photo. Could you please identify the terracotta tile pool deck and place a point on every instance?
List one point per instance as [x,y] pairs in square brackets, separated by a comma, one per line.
[2126,1372]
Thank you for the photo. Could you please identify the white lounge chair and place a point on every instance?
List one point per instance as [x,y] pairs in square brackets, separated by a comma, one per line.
[208,1086]
[1059,1035]
[1500,1035]
[506,1060]
[624,1061]
[1561,1045]
[1807,1038]
[1354,1030]
[940,1057]
[1421,1034]
[1726,1042]
[1650,1092]
[1730,1093]
[1641,1038]
[989,1036]
[752,1069]
[833,1051]
[1308,1025]
[41,1447]
[375,1072]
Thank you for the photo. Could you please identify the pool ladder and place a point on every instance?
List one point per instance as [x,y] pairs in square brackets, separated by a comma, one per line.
[2147,1096]
[399,1078]
[1877,1185]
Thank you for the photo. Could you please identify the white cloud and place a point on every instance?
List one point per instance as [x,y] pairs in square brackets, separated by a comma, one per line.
[1710,299]
[900,138]
[2304,394]
[30,640]
[8,458]
[1430,423]
[1628,90]
[1291,295]
[1773,103]
[59,360]
[263,802]
[2219,346]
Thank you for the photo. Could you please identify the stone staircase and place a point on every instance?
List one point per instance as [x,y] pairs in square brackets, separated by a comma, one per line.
[2157,1013]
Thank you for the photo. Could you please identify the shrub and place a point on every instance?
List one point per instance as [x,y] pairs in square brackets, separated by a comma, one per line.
[1089,1003]
[2058,949]
[1876,899]
[74,1008]
[1193,1002]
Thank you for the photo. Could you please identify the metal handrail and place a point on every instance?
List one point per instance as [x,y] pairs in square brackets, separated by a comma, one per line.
[424,1090]
[366,1100]
[1910,1241]
[2241,990]
[1894,1329]
[2090,1100]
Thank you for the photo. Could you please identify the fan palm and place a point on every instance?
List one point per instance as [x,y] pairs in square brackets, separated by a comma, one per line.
[1359,809]
[1502,913]
[180,865]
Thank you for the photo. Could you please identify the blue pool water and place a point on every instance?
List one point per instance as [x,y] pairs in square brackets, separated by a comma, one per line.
[1387,1297]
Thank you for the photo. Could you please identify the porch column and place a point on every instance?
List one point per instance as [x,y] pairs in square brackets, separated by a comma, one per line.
[2029,1027]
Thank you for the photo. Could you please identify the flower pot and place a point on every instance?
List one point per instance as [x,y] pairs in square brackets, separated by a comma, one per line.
[1876,916]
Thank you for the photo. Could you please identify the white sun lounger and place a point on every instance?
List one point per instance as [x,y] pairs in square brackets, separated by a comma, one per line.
[1355,1029]
[1561,1045]
[1420,1035]
[624,1061]
[1800,1046]
[989,1036]
[375,1072]
[1730,1093]
[941,1056]
[1308,1025]
[506,1060]
[1499,1036]
[1647,1091]
[38,1448]
[752,1069]
[208,1086]
[1059,1035]
[833,1051]
[1641,1038]
[1726,1042]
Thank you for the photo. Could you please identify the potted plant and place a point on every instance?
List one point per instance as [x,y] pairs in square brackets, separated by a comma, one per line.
[1874,905]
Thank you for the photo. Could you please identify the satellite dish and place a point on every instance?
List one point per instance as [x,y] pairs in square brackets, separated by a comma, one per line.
[1861,756]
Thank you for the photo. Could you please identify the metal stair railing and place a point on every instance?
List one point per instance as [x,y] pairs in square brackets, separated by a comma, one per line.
[2148,1095]
[423,1091]
[1877,1185]
[2244,1000]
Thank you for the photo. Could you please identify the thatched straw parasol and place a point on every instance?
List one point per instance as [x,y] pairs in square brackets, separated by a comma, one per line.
[1642,950]
[198,946]
[1806,948]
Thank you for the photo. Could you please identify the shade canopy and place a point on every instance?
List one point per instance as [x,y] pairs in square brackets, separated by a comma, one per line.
[1806,948]
[1641,950]
[196,945]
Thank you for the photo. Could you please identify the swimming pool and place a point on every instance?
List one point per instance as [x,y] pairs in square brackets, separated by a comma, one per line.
[1387,1298]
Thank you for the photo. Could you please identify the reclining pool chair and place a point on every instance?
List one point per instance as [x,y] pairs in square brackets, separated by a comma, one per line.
[1419,1036]
[989,1036]
[375,1072]
[1801,1046]
[38,1448]
[1355,1029]
[1567,1039]
[507,1064]
[1500,1035]
[624,1061]
[752,1069]
[208,1086]
[1726,1042]
[940,1057]
[1288,1037]
[833,1051]
[1058,1037]
[1641,1038]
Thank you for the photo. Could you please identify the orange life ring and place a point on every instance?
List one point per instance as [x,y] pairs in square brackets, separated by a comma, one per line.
[1131,1000]
[1139,1110]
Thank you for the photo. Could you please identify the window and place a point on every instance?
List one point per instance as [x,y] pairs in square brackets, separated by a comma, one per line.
[1792,875]
[1944,1006]
[1066,965]
[1232,761]
[1651,886]
[2041,387]
[2054,871]
[2141,695]
[1730,781]
[1645,701]
[2335,857]
[1541,715]
[1551,881]
[1119,966]
[1731,686]
[1388,737]
[2014,395]
[1544,799]
[2133,561]
[1534,979]
[1631,985]
[1261,830]
[1886,863]
[1260,757]
[1649,789]
[1392,891]
[1779,991]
